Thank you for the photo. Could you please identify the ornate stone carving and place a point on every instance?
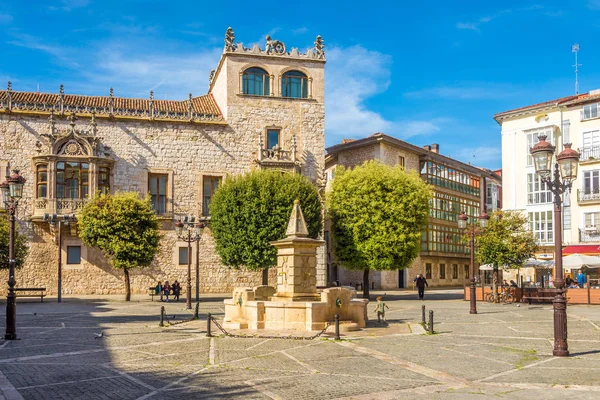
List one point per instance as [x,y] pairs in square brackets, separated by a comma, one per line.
[72,148]
[274,46]
[211,76]
[319,47]
[230,40]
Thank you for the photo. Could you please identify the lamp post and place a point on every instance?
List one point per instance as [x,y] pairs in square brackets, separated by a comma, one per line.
[59,220]
[463,220]
[188,231]
[565,167]
[12,191]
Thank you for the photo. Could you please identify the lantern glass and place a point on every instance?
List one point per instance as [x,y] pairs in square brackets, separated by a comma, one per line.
[16,190]
[179,228]
[568,169]
[5,191]
[543,163]
[462,220]
[483,221]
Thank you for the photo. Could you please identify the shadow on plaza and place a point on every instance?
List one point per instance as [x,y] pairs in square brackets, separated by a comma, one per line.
[50,360]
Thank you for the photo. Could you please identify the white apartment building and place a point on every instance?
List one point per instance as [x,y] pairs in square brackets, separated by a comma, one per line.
[572,119]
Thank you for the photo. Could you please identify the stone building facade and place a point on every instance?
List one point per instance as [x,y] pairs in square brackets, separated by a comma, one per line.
[264,109]
[444,258]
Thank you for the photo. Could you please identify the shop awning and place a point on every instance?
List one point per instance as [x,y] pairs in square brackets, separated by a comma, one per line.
[587,249]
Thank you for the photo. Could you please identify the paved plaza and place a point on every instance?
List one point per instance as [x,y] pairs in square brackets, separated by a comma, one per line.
[503,352]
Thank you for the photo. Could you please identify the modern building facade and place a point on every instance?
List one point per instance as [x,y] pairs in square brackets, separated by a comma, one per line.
[264,109]
[444,258]
[571,119]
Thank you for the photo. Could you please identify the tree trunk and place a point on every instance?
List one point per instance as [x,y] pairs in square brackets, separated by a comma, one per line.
[366,284]
[495,284]
[127,285]
[265,276]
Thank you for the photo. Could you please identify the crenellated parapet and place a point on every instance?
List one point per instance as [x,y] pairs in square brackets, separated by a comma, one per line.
[274,48]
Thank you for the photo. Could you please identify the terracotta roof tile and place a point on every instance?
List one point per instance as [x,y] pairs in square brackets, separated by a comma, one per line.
[203,107]
[536,106]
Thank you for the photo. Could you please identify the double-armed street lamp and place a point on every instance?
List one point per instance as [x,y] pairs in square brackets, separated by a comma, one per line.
[463,220]
[565,167]
[12,191]
[59,221]
[189,231]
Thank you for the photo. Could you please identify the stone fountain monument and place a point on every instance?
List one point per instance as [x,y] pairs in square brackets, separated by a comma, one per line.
[295,304]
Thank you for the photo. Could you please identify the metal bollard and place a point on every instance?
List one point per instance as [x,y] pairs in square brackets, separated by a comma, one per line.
[337,327]
[196,310]
[162,316]
[208,321]
[430,321]
[423,315]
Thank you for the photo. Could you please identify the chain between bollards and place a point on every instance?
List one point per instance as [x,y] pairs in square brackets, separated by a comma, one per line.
[337,327]
[162,316]
[208,321]
[431,321]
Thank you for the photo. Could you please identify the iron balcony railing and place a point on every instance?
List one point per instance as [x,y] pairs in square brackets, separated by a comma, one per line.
[589,235]
[584,195]
[589,153]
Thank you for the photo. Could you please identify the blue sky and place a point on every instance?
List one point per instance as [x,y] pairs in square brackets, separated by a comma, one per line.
[426,72]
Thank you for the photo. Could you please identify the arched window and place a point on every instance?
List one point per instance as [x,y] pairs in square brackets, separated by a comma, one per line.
[294,84]
[255,81]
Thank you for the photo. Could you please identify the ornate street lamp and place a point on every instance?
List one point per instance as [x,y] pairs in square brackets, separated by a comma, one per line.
[463,220]
[565,167]
[12,191]
[59,221]
[188,231]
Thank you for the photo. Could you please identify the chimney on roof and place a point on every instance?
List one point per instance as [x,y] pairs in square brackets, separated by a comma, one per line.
[427,147]
[435,148]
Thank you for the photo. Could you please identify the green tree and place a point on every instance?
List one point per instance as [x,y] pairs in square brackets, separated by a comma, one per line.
[506,243]
[378,214]
[250,211]
[124,227]
[21,248]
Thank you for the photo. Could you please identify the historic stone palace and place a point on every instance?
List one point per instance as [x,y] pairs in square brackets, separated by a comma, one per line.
[264,109]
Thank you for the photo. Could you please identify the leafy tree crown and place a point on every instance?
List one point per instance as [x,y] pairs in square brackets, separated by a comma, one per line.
[378,214]
[21,248]
[506,242]
[250,211]
[123,226]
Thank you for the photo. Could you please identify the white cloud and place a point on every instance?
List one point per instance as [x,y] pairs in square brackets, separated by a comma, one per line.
[68,5]
[593,4]
[300,31]
[353,75]
[467,91]
[5,19]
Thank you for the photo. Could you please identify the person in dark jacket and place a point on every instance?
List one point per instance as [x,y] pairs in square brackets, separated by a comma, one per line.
[421,282]
[159,290]
[167,290]
[176,287]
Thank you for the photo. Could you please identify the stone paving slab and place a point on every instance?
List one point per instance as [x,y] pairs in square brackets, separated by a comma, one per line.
[505,351]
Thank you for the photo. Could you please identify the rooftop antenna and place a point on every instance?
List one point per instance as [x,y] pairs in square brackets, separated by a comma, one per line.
[575,49]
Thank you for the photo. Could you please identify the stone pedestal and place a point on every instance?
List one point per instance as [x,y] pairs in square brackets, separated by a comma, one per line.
[295,304]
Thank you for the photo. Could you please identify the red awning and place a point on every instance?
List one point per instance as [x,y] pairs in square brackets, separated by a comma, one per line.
[587,249]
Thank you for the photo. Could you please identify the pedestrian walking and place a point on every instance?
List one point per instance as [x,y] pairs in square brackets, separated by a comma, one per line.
[581,279]
[167,290]
[421,282]
[380,309]
[158,290]
[176,290]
